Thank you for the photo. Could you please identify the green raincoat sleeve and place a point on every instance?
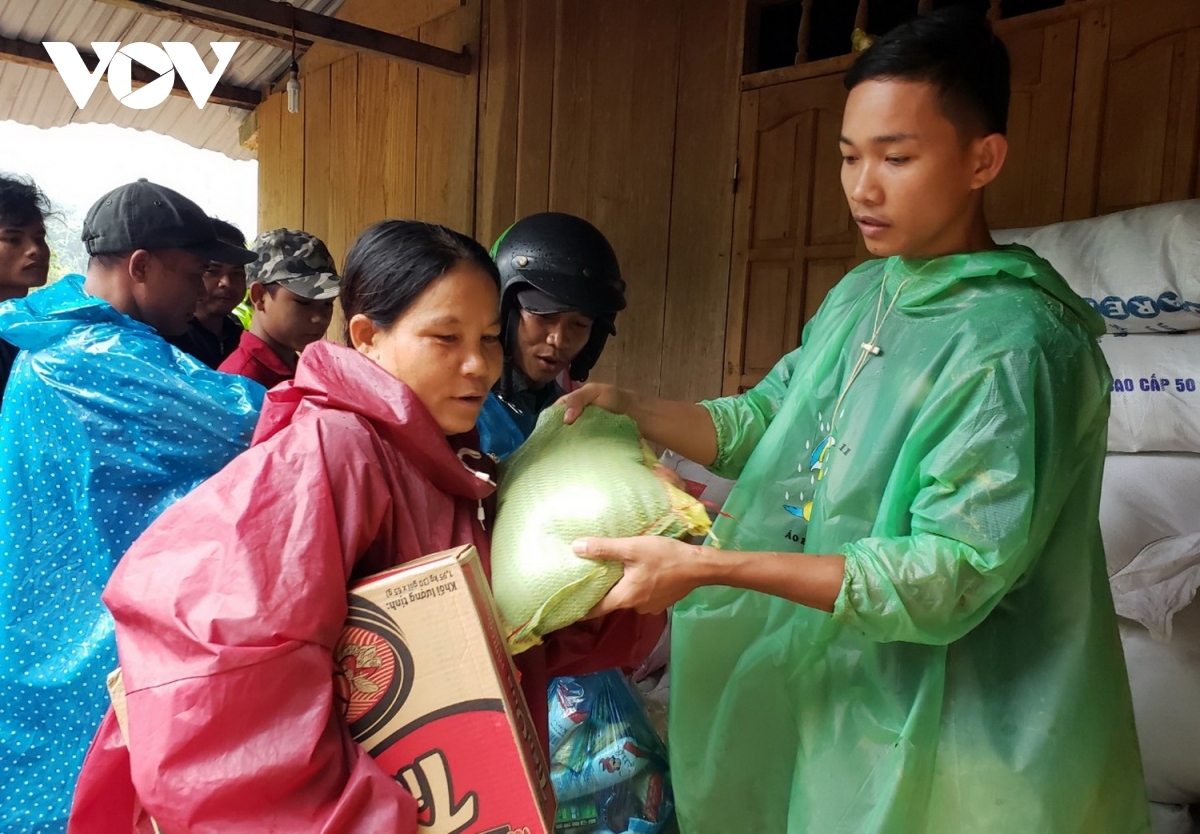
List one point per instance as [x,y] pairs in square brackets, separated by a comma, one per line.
[971,538]
[742,421]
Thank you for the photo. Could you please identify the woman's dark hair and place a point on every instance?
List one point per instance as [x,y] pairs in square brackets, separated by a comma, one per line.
[21,202]
[955,50]
[394,261]
[228,233]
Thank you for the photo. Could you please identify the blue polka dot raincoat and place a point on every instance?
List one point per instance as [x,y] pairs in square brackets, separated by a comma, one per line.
[103,426]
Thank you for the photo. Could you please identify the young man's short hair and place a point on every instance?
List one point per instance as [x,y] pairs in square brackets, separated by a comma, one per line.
[21,202]
[955,50]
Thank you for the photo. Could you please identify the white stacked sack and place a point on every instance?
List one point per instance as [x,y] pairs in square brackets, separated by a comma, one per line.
[1156,392]
[1147,497]
[1164,676]
[1140,269]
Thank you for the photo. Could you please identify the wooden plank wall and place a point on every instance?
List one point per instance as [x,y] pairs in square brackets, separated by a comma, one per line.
[625,113]
[621,111]
[374,138]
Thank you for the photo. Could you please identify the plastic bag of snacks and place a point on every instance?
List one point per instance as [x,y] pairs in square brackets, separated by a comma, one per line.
[592,478]
[607,765]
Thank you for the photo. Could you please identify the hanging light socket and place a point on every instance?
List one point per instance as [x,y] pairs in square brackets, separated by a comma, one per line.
[293,90]
[293,82]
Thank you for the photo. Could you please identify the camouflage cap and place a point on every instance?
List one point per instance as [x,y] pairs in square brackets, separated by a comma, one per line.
[296,260]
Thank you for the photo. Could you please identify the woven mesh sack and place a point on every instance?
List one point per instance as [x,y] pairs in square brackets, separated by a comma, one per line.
[592,478]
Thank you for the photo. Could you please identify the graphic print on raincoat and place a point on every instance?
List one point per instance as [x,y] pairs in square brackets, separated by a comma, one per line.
[104,425]
[970,678]
[228,607]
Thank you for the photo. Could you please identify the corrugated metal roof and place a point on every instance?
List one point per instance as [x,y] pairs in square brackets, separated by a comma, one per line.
[35,96]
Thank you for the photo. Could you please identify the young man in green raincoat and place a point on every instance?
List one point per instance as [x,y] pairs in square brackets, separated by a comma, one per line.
[908,626]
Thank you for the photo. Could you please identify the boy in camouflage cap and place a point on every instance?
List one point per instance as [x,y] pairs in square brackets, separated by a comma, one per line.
[293,285]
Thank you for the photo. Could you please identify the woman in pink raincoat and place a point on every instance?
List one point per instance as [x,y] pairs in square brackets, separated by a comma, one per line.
[227,608]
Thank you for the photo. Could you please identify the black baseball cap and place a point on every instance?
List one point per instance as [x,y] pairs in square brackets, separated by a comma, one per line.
[144,215]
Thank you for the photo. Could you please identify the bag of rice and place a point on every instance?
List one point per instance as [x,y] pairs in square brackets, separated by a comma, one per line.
[592,478]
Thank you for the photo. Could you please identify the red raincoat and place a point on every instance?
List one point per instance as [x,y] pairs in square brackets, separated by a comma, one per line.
[227,609]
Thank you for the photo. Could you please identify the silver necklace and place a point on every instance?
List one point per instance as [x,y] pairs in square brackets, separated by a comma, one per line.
[868,349]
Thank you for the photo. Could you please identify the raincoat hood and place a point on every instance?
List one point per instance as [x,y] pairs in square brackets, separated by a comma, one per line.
[50,315]
[333,376]
[927,286]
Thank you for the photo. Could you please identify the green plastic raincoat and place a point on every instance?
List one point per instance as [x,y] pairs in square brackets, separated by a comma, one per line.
[970,679]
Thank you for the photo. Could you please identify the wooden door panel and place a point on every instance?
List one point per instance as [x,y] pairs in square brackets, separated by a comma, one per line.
[1179,176]
[1030,190]
[822,277]
[778,184]
[789,215]
[767,337]
[830,221]
[1149,145]
[786,101]
[1135,127]
[1136,23]
[1134,124]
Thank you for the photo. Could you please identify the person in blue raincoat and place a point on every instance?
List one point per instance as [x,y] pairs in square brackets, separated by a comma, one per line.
[24,254]
[560,292]
[908,626]
[104,425]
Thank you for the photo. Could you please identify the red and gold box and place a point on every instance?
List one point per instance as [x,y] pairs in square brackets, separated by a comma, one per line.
[431,693]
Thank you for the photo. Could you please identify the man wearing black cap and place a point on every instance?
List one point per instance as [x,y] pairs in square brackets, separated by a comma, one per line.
[104,425]
[150,246]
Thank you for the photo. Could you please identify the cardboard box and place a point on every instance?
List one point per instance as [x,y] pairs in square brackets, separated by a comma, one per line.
[431,693]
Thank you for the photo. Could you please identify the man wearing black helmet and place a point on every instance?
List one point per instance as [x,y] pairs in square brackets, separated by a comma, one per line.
[560,292]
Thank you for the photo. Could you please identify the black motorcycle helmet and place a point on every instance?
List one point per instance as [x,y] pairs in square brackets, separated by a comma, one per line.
[561,261]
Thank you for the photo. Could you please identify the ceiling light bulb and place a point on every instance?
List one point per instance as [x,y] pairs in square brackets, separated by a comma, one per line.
[293,91]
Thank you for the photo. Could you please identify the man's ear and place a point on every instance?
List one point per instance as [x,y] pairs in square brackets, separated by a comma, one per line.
[139,265]
[257,293]
[989,153]
[363,333]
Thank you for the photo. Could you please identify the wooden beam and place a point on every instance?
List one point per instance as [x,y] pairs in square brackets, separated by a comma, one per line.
[403,17]
[212,23]
[34,55]
[813,69]
[249,18]
[248,132]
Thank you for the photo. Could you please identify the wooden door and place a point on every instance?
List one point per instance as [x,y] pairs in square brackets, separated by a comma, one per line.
[1134,120]
[1031,189]
[793,235]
